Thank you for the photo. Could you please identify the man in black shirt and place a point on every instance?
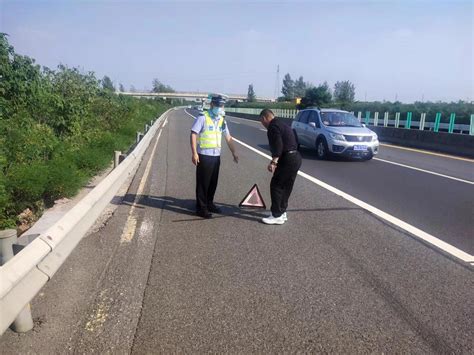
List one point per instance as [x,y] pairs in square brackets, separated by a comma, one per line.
[286,161]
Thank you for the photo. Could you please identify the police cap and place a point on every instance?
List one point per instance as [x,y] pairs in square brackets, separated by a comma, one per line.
[218,99]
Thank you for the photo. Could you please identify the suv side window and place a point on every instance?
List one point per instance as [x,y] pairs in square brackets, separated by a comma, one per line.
[313,117]
[303,118]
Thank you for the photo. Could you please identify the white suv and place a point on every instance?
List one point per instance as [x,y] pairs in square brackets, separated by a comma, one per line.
[335,132]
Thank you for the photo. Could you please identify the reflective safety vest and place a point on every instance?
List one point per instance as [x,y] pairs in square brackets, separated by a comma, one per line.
[211,135]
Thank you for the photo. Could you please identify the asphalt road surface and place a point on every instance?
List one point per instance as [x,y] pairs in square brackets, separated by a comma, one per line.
[334,278]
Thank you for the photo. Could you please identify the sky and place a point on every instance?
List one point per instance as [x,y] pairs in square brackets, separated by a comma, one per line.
[406,50]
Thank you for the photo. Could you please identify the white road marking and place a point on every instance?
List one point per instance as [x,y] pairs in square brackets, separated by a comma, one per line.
[189,114]
[131,224]
[426,171]
[164,123]
[448,248]
[427,152]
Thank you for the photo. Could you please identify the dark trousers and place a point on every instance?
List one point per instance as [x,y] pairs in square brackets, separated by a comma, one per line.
[207,175]
[282,182]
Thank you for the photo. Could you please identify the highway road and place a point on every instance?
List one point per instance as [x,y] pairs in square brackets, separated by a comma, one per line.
[334,278]
[433,192]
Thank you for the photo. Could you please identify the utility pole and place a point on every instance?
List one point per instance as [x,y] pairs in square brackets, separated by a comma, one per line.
[277,83]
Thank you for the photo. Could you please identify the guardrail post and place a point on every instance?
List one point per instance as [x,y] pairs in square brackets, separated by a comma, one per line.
[367,117]
[117,155]
[147,127]
[437,122]
[376,119]
[452,118]
[139,136]
[385,119]
[23,322]
[359,116]
[408,121]
[421,126]
[397,119]
[471,127]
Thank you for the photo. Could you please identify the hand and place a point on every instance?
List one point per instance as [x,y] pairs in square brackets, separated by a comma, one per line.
[271,167]
[236,158]
[195,159]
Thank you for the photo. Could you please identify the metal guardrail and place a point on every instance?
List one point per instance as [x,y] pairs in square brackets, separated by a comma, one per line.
[22,277]
[407,123]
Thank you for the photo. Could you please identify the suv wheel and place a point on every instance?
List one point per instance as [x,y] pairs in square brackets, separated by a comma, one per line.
[322,151]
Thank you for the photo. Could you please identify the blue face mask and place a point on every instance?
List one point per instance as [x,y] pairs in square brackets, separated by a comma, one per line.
[217,111]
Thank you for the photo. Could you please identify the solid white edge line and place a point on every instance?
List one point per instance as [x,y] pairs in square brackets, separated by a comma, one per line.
[448,248]
[425,171]
[389,218]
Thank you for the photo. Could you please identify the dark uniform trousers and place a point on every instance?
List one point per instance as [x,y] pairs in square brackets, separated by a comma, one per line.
[282,182]
[207,175]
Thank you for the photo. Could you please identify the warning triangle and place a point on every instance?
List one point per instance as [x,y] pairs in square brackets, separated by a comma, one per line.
[253,198]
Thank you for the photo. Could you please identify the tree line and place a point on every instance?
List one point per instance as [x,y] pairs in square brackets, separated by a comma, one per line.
[343,97]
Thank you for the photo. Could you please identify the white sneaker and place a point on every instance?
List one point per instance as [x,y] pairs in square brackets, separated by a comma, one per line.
[283,215]
[273,220]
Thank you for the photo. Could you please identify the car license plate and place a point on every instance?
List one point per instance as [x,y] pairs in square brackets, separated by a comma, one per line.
[360,147]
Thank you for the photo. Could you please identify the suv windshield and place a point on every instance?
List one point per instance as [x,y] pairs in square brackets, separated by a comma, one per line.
[339,119]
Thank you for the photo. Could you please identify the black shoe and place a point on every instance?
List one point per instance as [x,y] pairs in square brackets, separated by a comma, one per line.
[214,209]
[204,214]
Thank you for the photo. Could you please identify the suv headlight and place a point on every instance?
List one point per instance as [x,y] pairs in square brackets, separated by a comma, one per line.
[337,137]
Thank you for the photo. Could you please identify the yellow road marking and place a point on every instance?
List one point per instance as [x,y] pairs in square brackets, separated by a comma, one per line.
[131,224]
[429,153]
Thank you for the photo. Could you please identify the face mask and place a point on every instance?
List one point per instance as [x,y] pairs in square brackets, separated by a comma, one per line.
[218,111]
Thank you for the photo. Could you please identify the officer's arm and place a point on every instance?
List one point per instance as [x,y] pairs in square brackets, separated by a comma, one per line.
[193,140]
[230,144]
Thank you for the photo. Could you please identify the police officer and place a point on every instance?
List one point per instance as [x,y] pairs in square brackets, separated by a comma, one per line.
[286,161]
[206,136]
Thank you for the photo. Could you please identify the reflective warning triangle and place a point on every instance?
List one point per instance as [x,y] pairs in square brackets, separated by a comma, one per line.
[253,198]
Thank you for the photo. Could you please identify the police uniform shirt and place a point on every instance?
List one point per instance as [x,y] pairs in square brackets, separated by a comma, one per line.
[198,127]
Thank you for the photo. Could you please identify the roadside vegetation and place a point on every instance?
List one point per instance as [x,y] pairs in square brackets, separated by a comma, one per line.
[58,128]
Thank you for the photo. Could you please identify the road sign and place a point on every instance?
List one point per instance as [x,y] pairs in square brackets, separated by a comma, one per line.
[253,199]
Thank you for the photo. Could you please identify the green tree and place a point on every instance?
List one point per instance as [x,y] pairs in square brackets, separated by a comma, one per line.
[121,88]
[300,87]
[107,84]
[344,93]
[288,87]
[158,86]
[317,96]
[251,97]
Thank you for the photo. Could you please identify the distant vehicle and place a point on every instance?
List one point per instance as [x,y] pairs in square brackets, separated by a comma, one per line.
[189,106]
[334,132]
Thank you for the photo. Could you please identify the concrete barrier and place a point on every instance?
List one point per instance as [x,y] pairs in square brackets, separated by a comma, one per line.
[451,143]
